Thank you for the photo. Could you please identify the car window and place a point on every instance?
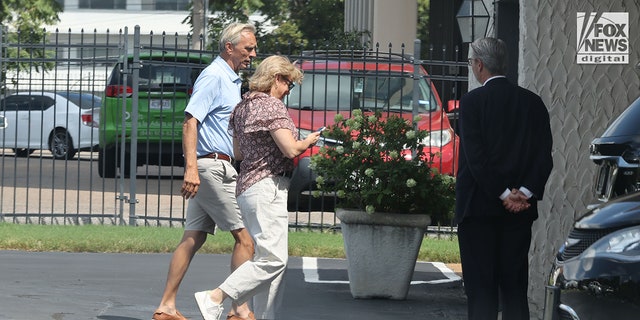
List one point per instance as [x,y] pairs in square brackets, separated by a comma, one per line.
[627,123]
[389,92]
[15,103]
[83,100]
[40,103]
[322,92]
[155,75]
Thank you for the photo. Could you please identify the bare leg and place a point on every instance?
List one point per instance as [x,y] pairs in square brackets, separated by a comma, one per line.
[242,252]
[180,261]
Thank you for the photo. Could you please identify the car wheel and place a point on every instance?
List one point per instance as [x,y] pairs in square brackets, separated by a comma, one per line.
[61,145]
[107,163]
[23,152]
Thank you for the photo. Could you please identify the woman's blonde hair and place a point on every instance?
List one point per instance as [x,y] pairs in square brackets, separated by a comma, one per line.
[265,75]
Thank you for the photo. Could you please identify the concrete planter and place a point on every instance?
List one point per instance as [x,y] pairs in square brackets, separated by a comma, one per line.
[381,250]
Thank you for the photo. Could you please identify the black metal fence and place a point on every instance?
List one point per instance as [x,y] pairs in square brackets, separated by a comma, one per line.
[90,123]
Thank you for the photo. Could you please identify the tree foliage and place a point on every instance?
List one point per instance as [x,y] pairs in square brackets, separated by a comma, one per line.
[22,22]
[300,24]
[423,25]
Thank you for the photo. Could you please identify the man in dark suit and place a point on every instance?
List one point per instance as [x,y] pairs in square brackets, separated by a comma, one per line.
[505,148]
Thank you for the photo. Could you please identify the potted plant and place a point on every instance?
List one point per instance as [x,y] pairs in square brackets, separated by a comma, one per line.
[387,193]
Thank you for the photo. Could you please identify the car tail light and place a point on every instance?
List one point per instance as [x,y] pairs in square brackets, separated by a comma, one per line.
[118,91]
[87,120]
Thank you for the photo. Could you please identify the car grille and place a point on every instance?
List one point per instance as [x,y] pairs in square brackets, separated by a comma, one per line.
[611,149]
[585,239]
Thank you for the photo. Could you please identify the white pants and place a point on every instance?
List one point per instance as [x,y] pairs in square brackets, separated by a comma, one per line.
[265,215]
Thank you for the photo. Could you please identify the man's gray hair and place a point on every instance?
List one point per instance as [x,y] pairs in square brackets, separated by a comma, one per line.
[232,33]
[493,54]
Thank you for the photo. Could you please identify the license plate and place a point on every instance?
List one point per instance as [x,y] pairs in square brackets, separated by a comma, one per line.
[157,104]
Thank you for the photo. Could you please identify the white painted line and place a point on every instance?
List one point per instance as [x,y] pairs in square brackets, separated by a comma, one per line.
[310,271]
[451,276]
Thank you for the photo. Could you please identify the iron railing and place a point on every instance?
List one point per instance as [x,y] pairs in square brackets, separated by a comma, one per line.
[35,188]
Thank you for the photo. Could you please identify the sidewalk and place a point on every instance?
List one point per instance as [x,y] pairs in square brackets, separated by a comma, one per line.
[69,286]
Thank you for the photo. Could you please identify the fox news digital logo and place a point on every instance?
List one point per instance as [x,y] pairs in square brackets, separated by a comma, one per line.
[603,38]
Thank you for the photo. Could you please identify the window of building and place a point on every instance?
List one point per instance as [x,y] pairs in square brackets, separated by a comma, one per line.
[172,5]
[102,4]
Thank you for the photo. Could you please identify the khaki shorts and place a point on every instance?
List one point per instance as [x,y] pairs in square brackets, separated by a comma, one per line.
[215,203]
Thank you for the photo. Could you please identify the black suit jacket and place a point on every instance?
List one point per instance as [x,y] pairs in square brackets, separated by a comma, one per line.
[505,142]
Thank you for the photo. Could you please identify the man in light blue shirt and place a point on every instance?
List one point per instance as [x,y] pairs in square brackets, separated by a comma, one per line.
[209,175]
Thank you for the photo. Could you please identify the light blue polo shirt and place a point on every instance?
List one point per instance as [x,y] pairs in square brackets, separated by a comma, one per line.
[215,93]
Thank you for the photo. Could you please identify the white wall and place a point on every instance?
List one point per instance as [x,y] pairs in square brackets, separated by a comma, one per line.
[390,22]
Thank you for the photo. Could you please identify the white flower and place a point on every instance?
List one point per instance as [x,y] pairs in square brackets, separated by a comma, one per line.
[368,172]
[411,134]
[370,209]
[411,183]
[340,149]
[319,180]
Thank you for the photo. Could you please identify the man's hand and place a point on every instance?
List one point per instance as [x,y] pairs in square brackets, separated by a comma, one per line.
[191,184]
[516,201]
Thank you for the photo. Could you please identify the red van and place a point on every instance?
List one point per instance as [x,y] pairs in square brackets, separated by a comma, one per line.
[335,83]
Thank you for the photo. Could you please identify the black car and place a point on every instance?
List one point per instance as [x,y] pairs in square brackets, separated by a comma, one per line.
[617,154]
[596,273]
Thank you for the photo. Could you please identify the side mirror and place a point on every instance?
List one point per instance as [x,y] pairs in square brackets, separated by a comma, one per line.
[453,105]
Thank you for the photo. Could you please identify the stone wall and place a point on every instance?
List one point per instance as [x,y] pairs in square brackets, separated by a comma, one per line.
[582,101]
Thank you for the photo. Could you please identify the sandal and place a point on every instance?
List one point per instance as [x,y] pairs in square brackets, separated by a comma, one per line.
[159,315]
[236,317]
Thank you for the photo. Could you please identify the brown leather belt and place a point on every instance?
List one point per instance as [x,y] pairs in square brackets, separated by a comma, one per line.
[216,155]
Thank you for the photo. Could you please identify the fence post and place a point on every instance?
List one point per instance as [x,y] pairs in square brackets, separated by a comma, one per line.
[125,76]
[134,127]
[416,88]
[416,77]
[2,79]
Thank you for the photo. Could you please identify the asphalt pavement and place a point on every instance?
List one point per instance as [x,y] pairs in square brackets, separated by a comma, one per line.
[69,286]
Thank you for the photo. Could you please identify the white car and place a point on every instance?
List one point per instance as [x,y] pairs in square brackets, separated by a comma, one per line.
[61,122]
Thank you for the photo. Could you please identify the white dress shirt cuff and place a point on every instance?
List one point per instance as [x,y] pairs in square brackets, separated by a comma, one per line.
[526,192]
[505,194]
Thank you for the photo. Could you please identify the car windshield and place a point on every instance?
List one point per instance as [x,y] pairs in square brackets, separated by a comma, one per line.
[162,75]
[367,91]
[156,75]
[627,123]
[84,100]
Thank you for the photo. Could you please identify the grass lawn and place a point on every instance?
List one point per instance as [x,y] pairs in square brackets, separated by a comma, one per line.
[99,238]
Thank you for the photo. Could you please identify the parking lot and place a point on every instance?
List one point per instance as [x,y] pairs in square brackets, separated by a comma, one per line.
[70,286]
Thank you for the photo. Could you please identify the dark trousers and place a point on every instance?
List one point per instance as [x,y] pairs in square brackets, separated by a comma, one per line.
[495,266]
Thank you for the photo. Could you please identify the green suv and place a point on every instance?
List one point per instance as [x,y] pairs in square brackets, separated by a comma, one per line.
[164,86]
